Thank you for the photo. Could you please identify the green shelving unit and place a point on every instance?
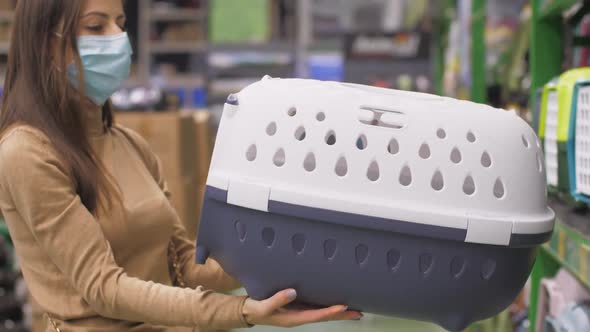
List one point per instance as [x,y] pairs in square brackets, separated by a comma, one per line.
[570,245]
[4,230]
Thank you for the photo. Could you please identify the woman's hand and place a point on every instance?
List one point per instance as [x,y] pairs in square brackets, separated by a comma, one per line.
[273,312]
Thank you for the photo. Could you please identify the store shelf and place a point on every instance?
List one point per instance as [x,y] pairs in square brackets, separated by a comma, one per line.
[177,14]
[4,47]
[552,8]
[6,16]
[167,47]
[570,243]
[254,47]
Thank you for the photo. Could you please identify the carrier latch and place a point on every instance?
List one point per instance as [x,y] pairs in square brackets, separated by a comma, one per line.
[249,195]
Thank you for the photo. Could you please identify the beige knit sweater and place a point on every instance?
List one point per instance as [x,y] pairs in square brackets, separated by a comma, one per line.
[110,273]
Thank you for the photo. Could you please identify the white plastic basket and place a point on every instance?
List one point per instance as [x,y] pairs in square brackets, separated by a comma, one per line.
[582,146]
[390,154]
[551,147]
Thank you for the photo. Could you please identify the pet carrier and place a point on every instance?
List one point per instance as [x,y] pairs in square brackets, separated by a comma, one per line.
[536,109]
[579,143]
[422,219]
[554,128]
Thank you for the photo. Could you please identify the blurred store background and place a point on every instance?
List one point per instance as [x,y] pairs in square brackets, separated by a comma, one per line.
[191,54]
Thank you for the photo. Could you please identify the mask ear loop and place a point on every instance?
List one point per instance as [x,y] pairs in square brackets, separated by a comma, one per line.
[56,67]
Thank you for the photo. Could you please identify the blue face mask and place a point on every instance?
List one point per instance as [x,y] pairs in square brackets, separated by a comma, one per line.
[106,61]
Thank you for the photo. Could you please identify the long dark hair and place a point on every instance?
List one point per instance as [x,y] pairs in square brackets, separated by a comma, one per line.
[37,93]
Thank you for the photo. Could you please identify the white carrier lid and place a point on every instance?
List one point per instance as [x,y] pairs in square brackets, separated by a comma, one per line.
[420,159]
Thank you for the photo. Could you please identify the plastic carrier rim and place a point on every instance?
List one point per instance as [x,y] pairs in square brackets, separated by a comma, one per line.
[379,223]
[514,227]
[573,158]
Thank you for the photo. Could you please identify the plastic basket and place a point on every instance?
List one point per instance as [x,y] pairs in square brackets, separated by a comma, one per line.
[579,143]
[391,202]
[554,128]
[536,110]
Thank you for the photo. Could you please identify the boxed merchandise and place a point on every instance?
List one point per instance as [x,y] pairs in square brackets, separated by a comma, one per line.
[203,144]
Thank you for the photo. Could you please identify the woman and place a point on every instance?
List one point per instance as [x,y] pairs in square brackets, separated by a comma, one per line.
[85,200]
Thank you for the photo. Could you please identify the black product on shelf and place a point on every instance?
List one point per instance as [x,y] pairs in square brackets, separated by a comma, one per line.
[8,278]
[144,98]
[10,307]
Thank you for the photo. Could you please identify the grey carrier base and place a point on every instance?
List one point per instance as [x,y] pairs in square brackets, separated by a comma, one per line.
[387,267]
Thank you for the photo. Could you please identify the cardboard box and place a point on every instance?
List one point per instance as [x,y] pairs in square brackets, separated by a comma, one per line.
[203,144]
[184,200]
[171,136]
[183,142]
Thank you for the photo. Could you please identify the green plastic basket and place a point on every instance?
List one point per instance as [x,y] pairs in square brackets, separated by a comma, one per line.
[556,104]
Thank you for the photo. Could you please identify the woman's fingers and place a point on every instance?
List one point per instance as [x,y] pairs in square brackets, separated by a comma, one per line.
[278,301]
[276,311]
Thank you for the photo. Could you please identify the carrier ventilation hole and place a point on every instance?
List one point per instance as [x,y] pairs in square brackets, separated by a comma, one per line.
[241,230]
[309,164]
[499,188]
[393,259]
[441,133]
[393,146]
[331,138]
[457,266]
[298,243]
[251,153]
[539,162]
[271,130]
[373,173]
[361,253]
[525,142]
[321,116]
[330,249]
[438,181]
[300,133]
[424,151]
[487,269]
[486,160]
[456,155]
[292,111]
[469,186]
[361,142]
[341,167]
[280,159]
[405,176]
[425,263]
[471,137]
[268,236]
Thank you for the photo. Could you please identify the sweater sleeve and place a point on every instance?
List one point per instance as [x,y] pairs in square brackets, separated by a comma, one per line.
[42,192]
[211,275]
